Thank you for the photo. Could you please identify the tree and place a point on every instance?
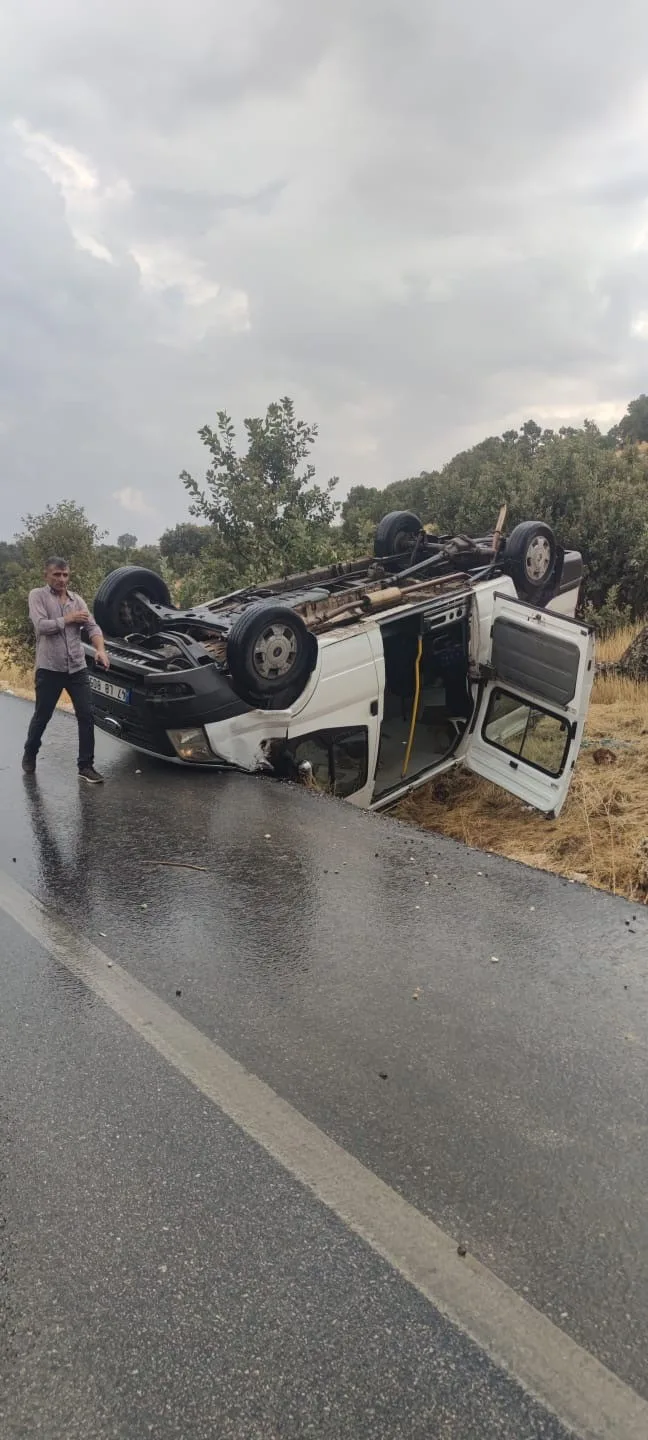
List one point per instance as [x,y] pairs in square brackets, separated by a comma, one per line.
[184,550]
[595,499]
[62,529]
[184,544]
[361,511]
[126,541]
[9,561]
[530,438]
[111,557]
[148,556]
[633,428]
[266,515]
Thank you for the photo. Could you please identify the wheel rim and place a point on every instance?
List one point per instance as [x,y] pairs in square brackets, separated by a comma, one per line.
[275,652]
[538,559]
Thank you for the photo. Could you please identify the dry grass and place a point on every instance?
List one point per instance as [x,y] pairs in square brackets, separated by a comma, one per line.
[19,680]
[611,649]
[15,678]
[601,835]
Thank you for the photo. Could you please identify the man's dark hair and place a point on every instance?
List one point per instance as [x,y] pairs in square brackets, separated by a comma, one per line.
[58,561]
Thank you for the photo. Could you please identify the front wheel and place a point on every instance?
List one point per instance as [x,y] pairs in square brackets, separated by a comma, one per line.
[117,609]
[530,557]
[271,654]
[396,533]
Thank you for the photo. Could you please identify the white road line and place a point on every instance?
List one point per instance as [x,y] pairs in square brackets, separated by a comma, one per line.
[580,1391]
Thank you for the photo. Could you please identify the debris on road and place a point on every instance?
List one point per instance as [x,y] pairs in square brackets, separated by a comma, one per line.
[178,865]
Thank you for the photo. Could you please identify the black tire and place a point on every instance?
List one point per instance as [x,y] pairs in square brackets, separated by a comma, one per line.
[396,533]
[270,654]
[530,557]
[116,607]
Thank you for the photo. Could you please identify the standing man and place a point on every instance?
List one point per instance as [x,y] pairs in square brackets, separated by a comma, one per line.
[58,616]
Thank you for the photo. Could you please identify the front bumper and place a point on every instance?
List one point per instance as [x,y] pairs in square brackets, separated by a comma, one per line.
[203,696]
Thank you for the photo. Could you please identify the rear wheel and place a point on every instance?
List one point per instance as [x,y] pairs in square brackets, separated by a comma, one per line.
[530,557]
[396,533]
[271,654]
[117,609]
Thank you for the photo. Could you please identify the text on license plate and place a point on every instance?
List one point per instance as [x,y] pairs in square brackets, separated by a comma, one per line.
[105,687]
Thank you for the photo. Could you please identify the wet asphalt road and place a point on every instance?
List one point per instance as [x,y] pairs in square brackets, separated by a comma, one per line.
[160,1274]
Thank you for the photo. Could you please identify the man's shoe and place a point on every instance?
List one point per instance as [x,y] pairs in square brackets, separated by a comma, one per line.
[88,772]
[29,764]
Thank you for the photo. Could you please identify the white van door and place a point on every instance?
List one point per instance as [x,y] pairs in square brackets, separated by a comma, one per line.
[528,724]
[337,730]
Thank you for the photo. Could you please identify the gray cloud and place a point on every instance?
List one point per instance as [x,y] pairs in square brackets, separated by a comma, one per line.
[422,221]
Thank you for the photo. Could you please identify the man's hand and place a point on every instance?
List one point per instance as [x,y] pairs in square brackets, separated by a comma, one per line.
[76,617]
[101,659]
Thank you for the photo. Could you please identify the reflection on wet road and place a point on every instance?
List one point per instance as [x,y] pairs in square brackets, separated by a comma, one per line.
[347,962]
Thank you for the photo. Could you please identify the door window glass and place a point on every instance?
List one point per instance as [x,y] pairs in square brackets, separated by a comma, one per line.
[338,758]
[314,751]
[532,735]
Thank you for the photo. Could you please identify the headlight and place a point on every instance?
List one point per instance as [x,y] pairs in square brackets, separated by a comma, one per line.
[191,744]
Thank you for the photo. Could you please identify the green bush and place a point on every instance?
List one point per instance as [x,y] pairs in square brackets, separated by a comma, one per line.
[611,615]
[62,529]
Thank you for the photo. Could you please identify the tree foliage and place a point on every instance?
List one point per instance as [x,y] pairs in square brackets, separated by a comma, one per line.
[184,544]
[266,516]
[9,564]
[595,498]
[633,428]
[110,557]
[62,529]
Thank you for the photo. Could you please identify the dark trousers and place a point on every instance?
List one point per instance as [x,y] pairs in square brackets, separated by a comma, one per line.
[50,685]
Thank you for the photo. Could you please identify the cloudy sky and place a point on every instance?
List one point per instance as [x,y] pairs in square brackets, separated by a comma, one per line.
[423,219]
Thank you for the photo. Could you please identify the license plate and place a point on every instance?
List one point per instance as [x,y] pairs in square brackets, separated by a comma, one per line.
[106,687]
